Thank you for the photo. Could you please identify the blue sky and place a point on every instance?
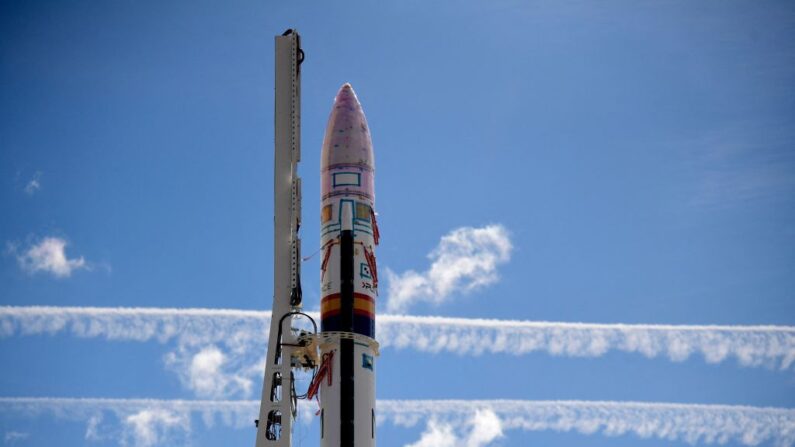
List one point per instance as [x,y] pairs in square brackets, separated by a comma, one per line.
[637,157]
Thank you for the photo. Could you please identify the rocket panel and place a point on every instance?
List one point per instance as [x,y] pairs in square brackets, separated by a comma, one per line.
[364,392]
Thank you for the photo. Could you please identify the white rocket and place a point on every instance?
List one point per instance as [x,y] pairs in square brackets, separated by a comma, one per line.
[348,277]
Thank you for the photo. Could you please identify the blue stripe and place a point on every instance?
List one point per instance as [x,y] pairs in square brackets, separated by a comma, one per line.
[361,325]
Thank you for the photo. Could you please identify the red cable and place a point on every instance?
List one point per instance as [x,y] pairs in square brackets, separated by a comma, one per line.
[325,369]
[370,257]
[326,257]
[376,233]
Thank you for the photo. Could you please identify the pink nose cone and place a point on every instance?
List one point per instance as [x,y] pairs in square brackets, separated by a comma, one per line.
[347,140]
[346,96]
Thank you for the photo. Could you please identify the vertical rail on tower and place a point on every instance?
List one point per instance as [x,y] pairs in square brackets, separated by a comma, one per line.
[278,402]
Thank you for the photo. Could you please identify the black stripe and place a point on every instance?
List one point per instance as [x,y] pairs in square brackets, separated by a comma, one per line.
[346,281]
[346,393]
[346,345]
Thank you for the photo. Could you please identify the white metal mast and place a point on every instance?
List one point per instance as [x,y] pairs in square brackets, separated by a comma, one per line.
[278,402]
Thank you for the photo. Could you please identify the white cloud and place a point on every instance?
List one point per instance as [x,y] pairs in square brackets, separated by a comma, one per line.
[480,431]
[154,426]
[486,427]
[209,372]
[49,256]
[34,184]
[465,259]
[436,434]
[12,437]
[146,419]
[205,371]
[92,428]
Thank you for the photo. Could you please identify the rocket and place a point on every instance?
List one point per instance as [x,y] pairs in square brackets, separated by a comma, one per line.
[348,278]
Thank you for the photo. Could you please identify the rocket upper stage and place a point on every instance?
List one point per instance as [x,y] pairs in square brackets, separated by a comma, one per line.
[347,147]
[347,204]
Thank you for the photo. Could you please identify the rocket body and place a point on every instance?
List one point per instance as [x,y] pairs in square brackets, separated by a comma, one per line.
[348,277]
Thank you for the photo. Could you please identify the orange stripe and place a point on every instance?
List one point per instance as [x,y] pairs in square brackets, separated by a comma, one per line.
[363,305]
[329,305]
[330,297]
[362,296]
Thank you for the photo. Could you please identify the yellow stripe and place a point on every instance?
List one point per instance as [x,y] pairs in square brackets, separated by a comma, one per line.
[328,305]
[364,304]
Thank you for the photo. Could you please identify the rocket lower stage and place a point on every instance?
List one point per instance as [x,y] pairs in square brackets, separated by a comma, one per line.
[348,278]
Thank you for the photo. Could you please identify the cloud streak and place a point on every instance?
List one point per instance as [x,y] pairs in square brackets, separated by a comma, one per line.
[742,164]
[695,424]
[772,346]
[242,333]
[12,437]
[479,421]
[217,353]
[466,259]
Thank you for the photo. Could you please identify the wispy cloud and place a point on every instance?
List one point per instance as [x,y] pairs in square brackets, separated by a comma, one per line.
[49,256]
[219,352]
[12,437]
[772,346]
[744,163]
[155,426]
[34,184]
[92,428]
[696,424]
[187,325]
[469,422]
[466,259]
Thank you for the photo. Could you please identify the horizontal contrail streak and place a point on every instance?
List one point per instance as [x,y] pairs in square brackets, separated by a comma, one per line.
[750,345]
[681,422]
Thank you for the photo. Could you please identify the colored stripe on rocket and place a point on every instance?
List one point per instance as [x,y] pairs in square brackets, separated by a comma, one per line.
[363,314]
[361,325]
[362,305]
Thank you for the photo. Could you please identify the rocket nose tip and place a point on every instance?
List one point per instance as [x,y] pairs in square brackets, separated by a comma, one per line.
[346,93]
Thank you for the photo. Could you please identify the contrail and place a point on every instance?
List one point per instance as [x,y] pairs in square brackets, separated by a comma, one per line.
[189,326]
[241,330]
[696,424]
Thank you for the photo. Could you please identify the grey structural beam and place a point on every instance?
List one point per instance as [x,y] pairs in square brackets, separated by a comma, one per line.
[277,407]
